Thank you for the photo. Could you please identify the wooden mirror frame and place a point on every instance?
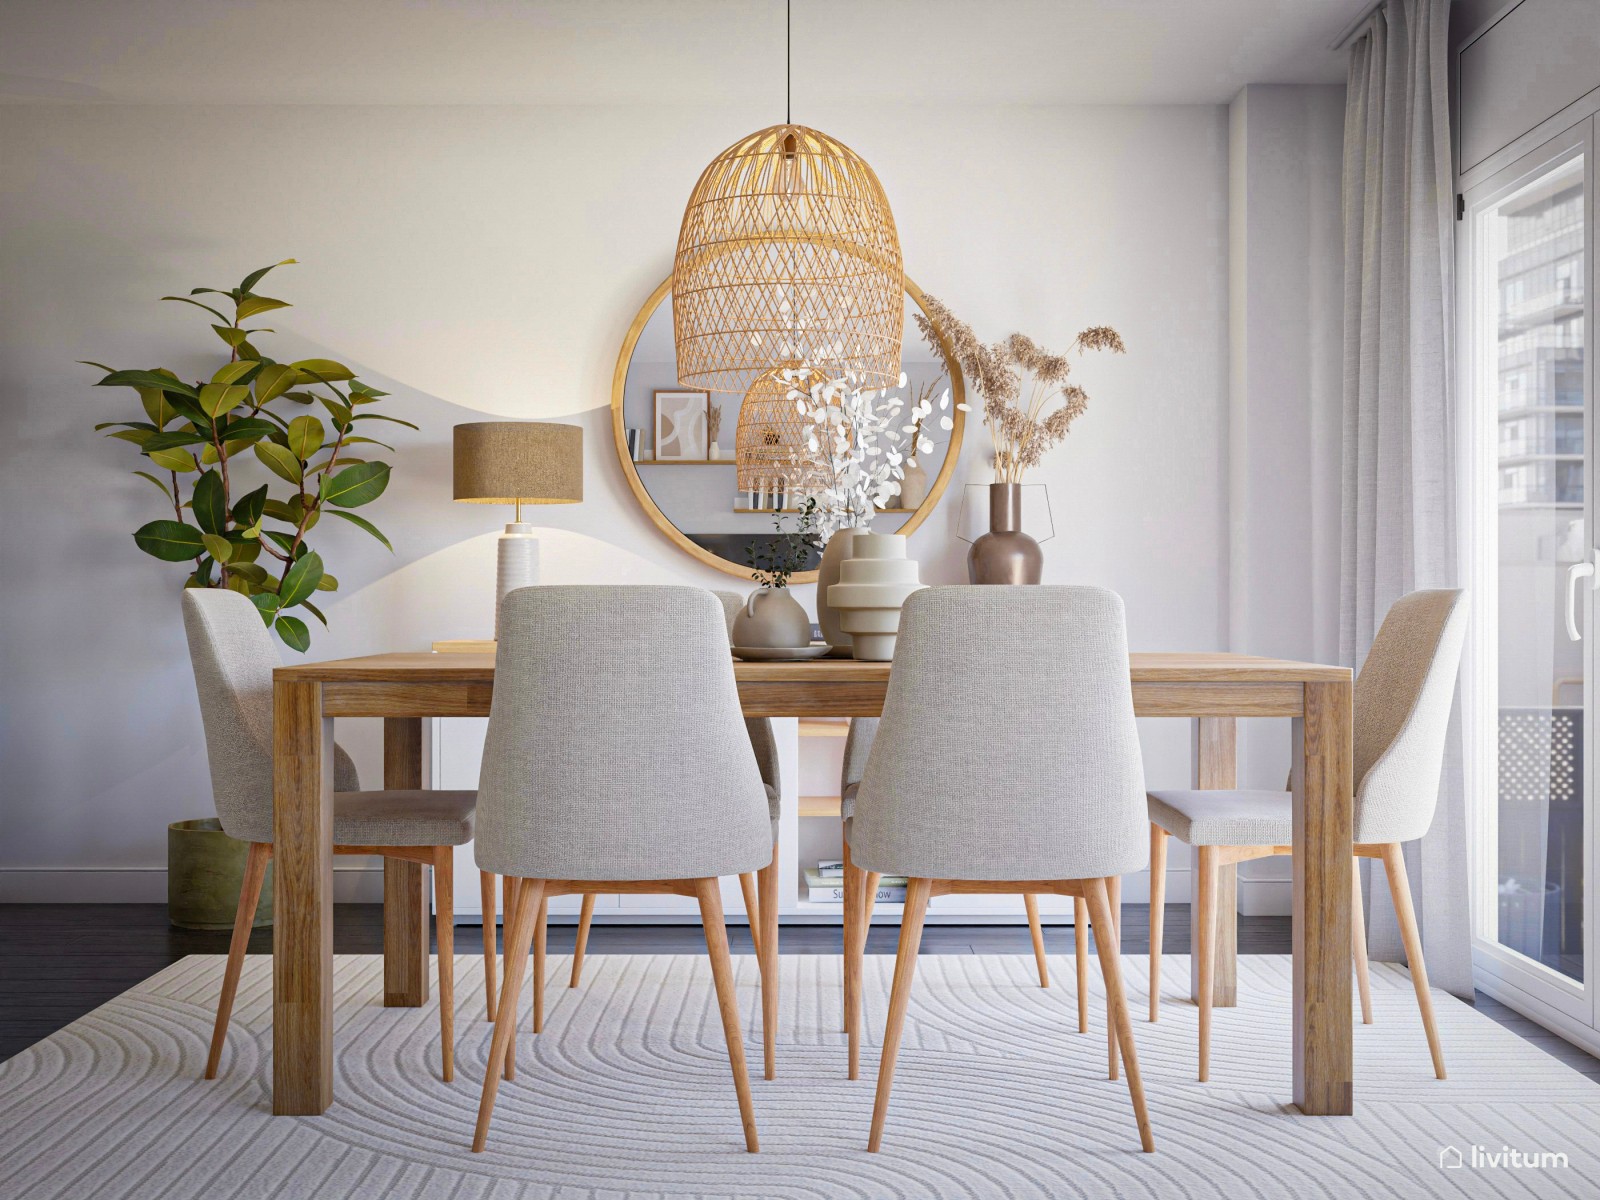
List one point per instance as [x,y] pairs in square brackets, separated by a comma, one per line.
[619,381]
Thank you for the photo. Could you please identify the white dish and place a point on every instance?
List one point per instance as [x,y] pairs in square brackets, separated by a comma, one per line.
[782,653]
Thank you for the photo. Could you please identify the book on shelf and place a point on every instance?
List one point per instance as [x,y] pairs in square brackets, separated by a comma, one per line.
[831,868]
[830,890]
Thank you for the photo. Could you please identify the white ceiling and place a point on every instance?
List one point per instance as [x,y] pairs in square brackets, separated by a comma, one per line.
[661,51]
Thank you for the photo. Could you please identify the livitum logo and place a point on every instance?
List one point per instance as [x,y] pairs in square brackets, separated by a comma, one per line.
[1507,1158]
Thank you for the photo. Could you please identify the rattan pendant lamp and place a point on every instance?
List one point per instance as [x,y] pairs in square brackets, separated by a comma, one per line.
[788,253]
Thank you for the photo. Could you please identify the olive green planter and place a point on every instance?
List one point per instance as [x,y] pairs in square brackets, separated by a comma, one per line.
[205,869]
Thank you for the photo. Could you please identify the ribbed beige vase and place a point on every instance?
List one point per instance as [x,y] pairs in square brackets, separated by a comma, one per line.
[873,584]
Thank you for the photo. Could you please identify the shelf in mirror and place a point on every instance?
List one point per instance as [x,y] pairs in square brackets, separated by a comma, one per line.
[684,462]
[776,511]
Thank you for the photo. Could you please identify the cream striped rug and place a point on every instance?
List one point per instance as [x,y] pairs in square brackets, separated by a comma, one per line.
[627,1094]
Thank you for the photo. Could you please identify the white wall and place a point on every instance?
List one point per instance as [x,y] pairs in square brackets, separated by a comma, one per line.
[487,261]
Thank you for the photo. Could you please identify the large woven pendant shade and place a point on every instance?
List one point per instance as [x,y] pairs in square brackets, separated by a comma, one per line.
[770,440]
[788,252]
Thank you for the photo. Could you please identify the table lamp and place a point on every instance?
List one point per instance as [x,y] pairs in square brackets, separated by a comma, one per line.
[518,462]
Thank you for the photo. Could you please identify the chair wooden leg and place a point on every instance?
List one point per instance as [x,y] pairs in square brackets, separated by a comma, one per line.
[1358,945]
[486,883]
[540,936]
[510,966]
[1158,914]
[519,936]
[767,886]
[1394,863]
[1111,969]
[905,966]
[255,870]
[1031,903]
[1114,901]
[445,930]
[752,911]
[709,892]
[1205,939]
[585,916]
[1080,938]
[854,878]
[871,882]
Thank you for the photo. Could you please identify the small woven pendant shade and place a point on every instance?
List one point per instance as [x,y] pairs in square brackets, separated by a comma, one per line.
[788,252]
[770,440]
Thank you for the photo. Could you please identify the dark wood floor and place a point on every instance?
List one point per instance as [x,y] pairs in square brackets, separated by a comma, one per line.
[59,961]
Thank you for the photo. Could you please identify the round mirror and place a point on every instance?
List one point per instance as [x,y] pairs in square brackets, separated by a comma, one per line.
[715,471]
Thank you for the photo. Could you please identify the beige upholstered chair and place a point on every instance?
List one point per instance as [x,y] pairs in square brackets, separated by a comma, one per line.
[617,760]
[233,657]
[861,894]
[1402,700]
[763,941]
[1007,761]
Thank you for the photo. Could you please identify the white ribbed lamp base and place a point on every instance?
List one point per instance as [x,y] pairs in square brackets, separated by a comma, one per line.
[519,564]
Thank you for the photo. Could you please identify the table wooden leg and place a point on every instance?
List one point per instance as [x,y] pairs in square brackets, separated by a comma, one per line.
[405,884]
[1215,766]
[302,911]
[1323,1068]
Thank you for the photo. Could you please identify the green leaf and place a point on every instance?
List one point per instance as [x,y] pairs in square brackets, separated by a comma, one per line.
[324,370]
[327,584]
[245,430]
[252,305]
[210,509]
[171,439]
[238,583]
[363,523]
[234,372]
[170,541]
[301,580]
[137,436]
[357,485]
[382,417]
[156,406]
[219,398]
[253,572]
[279,461]
[197,304]
[234,337]
[339,412]
[314,611]
[305,437]
[256,277]
[218,547]
[275,379]
[246,548]
[142,379]
[294,633]
[180,461]
[268,604]
[285,541]
[300,397]
[356,441]
[365,391]
[165,491]
[248,508]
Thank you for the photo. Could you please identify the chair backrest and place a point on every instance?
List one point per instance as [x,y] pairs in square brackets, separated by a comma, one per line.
[233,656]
[1008,748]
[616,748]
[1403,695]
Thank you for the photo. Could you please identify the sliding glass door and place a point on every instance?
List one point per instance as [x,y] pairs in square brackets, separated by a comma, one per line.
[1528,394]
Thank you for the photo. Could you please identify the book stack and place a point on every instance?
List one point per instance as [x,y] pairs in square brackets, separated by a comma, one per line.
[825,885]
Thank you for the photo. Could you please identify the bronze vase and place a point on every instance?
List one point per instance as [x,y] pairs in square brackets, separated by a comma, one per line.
[1005,554]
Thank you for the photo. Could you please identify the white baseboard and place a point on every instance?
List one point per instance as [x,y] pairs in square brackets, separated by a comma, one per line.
[147,885]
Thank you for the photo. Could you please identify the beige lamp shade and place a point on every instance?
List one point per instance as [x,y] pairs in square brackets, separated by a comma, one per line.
[518,462]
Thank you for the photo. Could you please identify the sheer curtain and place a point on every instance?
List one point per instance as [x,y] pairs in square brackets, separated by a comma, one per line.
[1399,409]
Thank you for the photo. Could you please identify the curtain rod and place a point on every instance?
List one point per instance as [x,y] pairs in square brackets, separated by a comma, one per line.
[1357,26]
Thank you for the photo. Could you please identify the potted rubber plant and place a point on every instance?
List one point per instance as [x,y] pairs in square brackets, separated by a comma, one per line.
[247,461]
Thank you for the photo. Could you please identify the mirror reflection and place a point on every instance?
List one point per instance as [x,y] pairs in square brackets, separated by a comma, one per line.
[722,470]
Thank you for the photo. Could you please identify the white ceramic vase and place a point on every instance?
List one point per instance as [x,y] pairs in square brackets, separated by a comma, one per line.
[833,555]
[873,583]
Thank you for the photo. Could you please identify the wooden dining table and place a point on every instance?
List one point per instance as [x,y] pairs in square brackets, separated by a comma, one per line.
[1212,690]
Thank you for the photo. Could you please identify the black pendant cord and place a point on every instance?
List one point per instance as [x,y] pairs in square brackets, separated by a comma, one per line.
[788,62]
